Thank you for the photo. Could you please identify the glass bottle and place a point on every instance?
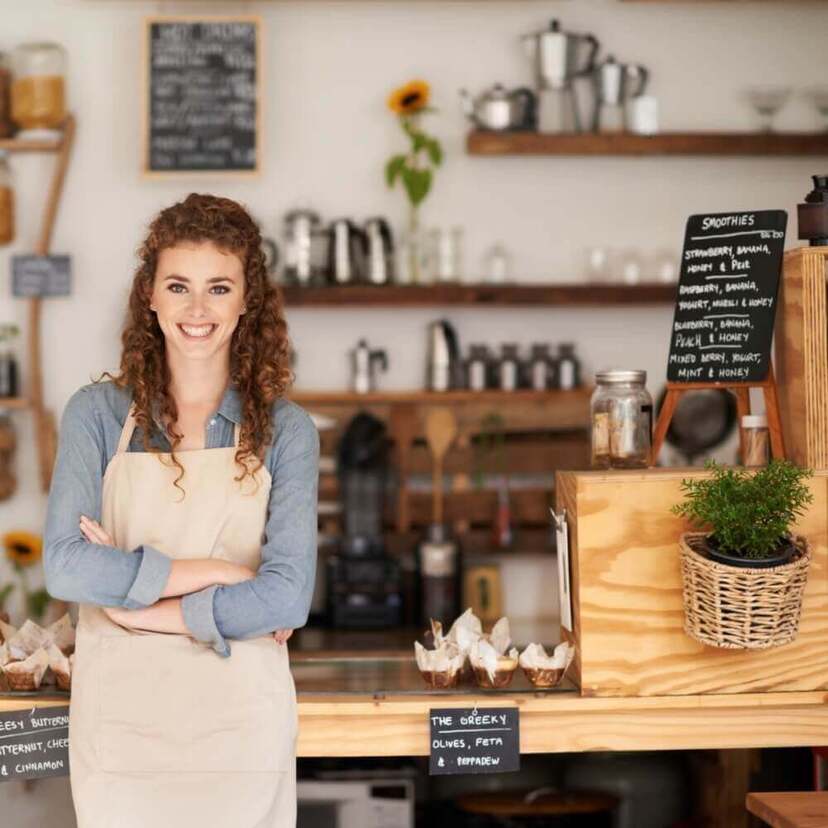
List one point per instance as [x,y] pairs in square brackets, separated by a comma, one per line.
[569,367]
[6,200]
[509,367]
[497,264]
[38,86]
[622,420]
[755,439]
[541,368]
[477,365]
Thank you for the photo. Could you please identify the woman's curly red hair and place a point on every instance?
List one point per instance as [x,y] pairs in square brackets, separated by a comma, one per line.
[259,351]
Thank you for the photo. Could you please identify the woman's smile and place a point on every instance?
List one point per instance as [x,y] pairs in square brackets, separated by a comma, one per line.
[196,331]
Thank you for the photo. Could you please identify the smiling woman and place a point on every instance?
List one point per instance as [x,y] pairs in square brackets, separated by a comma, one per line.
[172,556]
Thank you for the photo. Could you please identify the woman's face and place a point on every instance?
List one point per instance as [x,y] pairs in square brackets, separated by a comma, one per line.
[198,296]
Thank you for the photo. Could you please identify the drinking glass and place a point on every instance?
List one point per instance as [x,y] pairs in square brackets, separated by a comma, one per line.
[767,101]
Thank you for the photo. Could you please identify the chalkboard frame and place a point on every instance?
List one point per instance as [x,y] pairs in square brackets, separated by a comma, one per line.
[149,21]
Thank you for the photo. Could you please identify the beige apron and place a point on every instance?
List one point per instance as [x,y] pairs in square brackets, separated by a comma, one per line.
[163,731]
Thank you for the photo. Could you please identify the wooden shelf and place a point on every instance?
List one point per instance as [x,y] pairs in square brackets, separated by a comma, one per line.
[480,294]
[14,403]
[32,144]
[438,397]
[480,142]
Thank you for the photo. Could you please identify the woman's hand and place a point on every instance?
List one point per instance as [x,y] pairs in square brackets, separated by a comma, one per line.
[118,614]
[94,532]
[281,636]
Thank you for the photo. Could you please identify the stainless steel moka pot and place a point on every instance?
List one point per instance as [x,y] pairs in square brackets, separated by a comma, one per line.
[364,365]
[558,57]
[615,83]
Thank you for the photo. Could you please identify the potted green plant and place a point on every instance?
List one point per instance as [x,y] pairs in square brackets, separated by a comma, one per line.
[744,572]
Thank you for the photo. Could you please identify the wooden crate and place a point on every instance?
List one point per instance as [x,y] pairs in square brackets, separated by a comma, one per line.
[802,355]
[627,598]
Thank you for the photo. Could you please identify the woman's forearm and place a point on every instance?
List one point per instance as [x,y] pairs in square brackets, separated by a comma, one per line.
[164,616]
[199,573]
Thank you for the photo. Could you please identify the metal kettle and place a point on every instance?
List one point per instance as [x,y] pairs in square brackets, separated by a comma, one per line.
[615,83]
[346,252]
[558,57]
[444,369]
[299,230]
[379,251]
[499,108]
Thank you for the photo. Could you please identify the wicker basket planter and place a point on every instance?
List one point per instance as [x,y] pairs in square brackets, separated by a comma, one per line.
[741,608]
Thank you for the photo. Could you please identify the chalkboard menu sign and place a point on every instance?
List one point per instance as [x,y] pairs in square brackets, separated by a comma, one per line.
[474,740]
[34,743]
[726,303]
[202,101]
[41,276]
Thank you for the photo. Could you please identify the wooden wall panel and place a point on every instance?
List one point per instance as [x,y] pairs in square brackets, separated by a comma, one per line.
[628,606]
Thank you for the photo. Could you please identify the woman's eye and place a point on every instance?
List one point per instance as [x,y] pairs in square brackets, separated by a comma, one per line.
[222,288]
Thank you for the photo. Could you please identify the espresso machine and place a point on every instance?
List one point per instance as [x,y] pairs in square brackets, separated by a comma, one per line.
[558,58]
[364,586]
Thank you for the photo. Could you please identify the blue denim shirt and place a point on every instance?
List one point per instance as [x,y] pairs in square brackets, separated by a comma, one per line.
[77,570]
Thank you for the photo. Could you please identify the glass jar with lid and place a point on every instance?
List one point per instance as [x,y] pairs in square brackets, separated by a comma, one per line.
[622,417]
[508,367]
[6,200]
[477,367]
[38,85]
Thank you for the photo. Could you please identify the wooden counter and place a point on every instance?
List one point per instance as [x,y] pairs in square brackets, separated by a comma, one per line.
[354,724]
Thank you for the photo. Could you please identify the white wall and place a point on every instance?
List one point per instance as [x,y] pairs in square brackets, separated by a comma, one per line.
[329,67]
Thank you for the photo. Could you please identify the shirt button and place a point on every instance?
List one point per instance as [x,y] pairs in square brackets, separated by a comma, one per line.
[212,422]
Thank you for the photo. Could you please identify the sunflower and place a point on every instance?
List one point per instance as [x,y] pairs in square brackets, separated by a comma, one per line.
[23,548]
[409,98]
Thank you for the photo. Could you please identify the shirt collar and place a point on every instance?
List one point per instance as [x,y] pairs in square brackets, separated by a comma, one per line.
[229,407]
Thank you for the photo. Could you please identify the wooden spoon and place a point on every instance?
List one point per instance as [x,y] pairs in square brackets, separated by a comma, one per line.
[440,430]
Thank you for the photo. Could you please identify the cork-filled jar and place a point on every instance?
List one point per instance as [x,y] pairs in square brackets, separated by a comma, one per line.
[38,96]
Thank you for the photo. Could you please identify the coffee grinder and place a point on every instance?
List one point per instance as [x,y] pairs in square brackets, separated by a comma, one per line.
[364,582]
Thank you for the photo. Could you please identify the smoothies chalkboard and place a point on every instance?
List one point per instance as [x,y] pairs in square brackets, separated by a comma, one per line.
[202,102]
[726,303]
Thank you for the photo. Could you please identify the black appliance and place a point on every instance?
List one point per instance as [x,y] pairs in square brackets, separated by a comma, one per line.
[363,581]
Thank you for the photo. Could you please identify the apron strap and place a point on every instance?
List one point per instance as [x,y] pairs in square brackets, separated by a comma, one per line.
[126,432]
[236,432]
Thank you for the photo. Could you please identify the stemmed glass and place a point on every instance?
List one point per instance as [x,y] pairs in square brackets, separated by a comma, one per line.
[767,101]
[818,96]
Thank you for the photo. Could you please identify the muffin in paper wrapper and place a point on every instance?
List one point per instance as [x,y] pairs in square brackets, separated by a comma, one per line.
[492,668]
[7,631]
[544,670]
[441,666]
[60,666]
[28,673]
[62,634]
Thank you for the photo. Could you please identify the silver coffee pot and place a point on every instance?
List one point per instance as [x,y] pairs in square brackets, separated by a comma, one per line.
[499,108]
[380,251]
[364,364]
[615,83]
[558,58]
[300,228]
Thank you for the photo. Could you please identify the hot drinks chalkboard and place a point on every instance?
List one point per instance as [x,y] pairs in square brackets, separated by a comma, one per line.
[202,102]
[726,303]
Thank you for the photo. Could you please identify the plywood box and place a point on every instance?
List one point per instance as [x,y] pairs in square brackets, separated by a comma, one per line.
[802,355]
[627,601]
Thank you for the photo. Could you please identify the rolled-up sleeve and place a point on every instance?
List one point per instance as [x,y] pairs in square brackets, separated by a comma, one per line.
[75,569]
[279,597]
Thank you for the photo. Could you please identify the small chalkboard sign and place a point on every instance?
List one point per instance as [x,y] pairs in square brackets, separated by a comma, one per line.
[202,100]
[34,743]
[41,276]
[474,740]
[726,302]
